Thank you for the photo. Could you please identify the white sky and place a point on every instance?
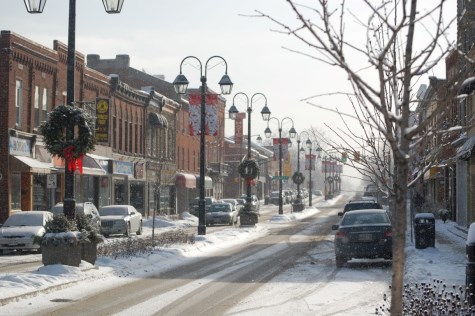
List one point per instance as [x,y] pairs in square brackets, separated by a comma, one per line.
[159,34]
[305,289]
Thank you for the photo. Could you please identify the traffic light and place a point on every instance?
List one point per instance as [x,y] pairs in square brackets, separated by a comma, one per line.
[344,157]
[356,156]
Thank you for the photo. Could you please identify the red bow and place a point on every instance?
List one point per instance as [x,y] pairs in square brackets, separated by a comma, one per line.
[72,162]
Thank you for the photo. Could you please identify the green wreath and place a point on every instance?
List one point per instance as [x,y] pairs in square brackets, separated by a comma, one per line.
[298,178]
[248,169]
[54,132]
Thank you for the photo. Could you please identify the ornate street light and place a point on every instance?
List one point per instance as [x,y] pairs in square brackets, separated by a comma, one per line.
[298,178]
[250,219]
[37,6]
[268,132]
[181,85]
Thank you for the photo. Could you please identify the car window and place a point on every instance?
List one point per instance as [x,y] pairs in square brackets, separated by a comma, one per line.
[220,208]
[113,211]
[365,218]
[24,219]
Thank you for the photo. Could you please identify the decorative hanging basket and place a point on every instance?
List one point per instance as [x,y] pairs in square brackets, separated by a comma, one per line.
[248,169]
[54,132]
[298,178]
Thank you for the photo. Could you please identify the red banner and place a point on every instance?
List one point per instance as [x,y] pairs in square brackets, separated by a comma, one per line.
[310,162]
[211,117]
[238,127]
[285,146]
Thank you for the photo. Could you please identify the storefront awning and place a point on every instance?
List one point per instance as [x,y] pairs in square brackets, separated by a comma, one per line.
[208,182]
[464,152]
[185,180]
[27,164]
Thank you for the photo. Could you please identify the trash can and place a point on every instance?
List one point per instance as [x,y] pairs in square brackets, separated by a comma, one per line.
[470,268]
[424,228]
[266,200]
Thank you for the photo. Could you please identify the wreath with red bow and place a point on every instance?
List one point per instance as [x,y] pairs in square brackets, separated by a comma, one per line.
[54,133]
[248,169]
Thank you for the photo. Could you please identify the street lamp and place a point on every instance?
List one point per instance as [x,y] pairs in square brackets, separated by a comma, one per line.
[181,85]
[298,177]
[233,111]
[268,133]
[37,6]
[308,143]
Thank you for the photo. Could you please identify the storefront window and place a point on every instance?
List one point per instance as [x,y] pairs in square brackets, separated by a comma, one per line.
[104,192]
[16,191]
[40,196]
[137,190]
[120,192]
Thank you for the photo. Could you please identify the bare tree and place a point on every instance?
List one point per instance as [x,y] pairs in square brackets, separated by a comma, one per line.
[390,60]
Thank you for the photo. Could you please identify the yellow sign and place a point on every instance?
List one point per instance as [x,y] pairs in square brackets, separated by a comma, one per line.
[102,120]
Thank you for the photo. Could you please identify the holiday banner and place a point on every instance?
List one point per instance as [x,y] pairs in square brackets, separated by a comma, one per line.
[310,162]
[211,116]
[238,127]
[285,148]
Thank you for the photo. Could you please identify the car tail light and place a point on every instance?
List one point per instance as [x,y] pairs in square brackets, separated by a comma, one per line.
[388,233]
[341,235]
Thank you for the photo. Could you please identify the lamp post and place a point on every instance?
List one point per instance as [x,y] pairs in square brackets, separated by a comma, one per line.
[37,6]
[268,132]
[298,205]
[181,85]
[232,114]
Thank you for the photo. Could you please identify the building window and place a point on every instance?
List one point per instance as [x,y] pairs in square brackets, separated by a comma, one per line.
[44,106]
[19,101]
[114,128]
[37,106]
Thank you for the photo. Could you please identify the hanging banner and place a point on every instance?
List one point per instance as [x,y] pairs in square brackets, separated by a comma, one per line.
[238,127]
[102,120]
[211,116]
[310,162]
[285,148]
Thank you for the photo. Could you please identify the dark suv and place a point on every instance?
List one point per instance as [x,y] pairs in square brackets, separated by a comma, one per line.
[360,205]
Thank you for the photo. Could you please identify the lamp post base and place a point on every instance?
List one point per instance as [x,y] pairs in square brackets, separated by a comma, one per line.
[249,215]
[201,229]
[298,206]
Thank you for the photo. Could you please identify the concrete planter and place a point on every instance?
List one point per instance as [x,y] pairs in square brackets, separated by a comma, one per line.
[62,253]
[248,219]
[89,252]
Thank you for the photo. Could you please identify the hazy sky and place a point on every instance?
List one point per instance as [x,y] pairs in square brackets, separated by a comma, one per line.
[159,34]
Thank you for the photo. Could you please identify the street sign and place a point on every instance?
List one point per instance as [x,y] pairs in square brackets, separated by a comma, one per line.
[278,178]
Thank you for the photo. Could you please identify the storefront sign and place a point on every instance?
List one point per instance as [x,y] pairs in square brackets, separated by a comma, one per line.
[123,167]
[19,146]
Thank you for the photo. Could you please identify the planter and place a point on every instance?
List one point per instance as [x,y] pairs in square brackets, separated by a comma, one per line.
[62,253]
[248,219]
[89,252]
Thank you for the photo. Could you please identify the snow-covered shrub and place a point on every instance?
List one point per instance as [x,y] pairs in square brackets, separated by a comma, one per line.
[434,299]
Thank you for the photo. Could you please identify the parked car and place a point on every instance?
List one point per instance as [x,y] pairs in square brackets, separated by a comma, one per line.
[120,219]
[233,202]
[274,198]
[241,203]
[254,201]
[360,205]
[363,234]
[317,193]
[288,196]
[194,204]
[20,228]
[86,208]
[221,213]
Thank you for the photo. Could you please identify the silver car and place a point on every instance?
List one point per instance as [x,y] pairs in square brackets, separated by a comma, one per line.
[19,230]
[120,220]
[221,213]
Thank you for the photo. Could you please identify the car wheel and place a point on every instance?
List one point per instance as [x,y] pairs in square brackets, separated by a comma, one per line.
[127,231]
[139,232]
[340,261]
